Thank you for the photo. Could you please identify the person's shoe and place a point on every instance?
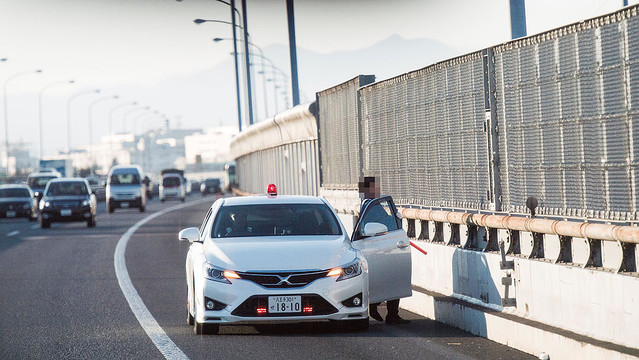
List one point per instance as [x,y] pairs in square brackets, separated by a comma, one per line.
[396,320]
[375,314]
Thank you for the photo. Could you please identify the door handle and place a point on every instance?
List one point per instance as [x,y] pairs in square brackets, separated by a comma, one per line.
[402,244]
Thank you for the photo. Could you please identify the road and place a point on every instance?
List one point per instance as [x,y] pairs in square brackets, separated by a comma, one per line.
[60,298]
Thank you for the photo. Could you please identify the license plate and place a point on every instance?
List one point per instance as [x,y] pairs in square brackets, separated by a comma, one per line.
[65,212]
[124,205]
[11,213]
[284,304]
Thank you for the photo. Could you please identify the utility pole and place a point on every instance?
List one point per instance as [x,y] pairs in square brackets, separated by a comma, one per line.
[293,51]
[517,18]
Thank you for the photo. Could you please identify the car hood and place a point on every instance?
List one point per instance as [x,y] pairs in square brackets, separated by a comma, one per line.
[276,253]
[68,198]
[16,199]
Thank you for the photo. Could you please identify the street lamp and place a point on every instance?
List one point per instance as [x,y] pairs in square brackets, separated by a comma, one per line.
[95,102]
[237,71]
[6,113]
[96,91]
[140,108]
[111,125]
[40,109]
[262,58]
[135,119]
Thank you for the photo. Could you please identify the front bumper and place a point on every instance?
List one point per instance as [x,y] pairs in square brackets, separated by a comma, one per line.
[125,203]
[76,214]
[242,297]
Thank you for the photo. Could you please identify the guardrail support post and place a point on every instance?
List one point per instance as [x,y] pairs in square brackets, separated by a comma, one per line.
[423,233]
[471,240]
[594,257]
[538,246]
[565,250]
[629,259]
[411,228]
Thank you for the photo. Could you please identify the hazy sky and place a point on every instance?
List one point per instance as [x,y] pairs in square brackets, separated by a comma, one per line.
[113,44]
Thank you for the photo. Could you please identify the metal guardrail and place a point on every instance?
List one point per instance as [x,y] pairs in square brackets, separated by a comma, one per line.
[497,230]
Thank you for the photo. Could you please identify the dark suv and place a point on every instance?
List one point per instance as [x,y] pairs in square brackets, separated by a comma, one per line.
[68,199]
[17,201]
[210,186]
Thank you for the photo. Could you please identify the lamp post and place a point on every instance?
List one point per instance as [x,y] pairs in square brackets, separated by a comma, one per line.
[95,102]
[41,115]
[96,91]
[262,58]
[135,120]
[131,112]
[235,63]
[111,125]
[6,113]
[293,51]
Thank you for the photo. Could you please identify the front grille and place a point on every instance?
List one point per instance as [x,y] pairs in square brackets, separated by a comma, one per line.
[12,205]
[283,280]
[249,307]
[67,204]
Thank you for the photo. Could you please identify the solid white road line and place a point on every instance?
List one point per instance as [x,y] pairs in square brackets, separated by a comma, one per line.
[162,341]
[13,233]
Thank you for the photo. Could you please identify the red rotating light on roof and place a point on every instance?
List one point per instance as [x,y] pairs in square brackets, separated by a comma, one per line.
[271,190]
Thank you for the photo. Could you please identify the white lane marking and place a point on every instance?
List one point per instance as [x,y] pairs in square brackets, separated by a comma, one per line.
[162,341]
[33,227]
[13,233]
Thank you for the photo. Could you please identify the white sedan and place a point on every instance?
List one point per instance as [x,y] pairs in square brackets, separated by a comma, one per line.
[272,259]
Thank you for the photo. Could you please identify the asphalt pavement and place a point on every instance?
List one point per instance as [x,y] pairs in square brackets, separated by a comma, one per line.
[60,298]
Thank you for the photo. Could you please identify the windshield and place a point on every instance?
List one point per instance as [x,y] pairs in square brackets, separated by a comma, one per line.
[171,181]
[39,181]
[14,193]
[125,179]
[67,189]
[274,220]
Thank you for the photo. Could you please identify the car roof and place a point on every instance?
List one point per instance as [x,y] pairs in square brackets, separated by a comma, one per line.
[73,179]
[271,200]
[172,175]
[9,186]
[56,174]
[118,168]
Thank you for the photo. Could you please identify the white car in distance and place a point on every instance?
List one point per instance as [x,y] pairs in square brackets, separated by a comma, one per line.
[287,259]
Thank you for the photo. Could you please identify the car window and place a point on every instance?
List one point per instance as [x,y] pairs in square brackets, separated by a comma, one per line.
[380,212]
[67,189]
[274,220]
[171,181]
[39,181]
[14,193]
[125,179]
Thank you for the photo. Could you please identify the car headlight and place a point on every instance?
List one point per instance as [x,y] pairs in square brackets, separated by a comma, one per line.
[347,271]
[44,204]
[220,275]
[86,202]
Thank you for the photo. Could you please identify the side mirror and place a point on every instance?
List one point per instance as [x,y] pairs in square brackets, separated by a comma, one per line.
[191,235]
[374,229]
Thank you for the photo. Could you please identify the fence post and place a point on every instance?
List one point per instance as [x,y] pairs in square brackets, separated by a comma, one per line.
[492,131]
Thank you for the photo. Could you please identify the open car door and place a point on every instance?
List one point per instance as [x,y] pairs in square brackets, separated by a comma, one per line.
[385,245]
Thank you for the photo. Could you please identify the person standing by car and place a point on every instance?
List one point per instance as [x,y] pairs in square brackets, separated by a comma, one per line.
[369,190]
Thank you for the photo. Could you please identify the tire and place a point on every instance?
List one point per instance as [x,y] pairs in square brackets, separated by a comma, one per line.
[189,317]
[204,329]
[142,208]
[91,222]
[161,200]
[183,199]
[32,219]
[110,208]
[45,224]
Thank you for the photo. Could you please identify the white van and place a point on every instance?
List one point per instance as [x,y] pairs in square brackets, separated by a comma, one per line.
[172,186]
[125,188]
